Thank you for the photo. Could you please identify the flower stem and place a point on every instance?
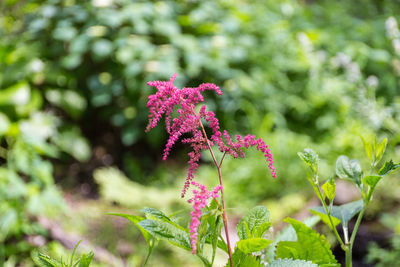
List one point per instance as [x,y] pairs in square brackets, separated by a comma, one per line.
[222,192]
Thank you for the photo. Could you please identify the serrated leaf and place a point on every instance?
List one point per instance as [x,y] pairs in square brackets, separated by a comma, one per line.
[240,259]
[253,244]
[261,229]
[388,167]
[252,221]
[348,169]
[156,213]
[168,232]
[309,246]
[291,263]
[310,158]
[344,212]
[380,150]
[135,219]
[288,234]
[372,180]
[329,189]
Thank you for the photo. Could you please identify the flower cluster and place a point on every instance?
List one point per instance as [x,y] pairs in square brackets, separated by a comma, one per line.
[199,202]
[168,98]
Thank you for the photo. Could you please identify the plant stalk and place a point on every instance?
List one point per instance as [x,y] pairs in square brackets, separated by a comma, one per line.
[328,212]
[348,252]
[222,192]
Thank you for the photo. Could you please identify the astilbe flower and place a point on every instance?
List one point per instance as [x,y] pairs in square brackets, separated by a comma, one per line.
[199,202]
[168,98]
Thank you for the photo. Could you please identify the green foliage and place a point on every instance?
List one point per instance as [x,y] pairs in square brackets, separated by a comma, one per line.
[388,167]
[241,259]
[329,189]
[291,263]
[310,158]
[381,257]
[43,260]
[349,169]
[309,246]
[254,223]
[253,244]
[344,213]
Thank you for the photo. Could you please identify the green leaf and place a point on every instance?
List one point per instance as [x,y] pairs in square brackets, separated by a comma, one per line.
[348,169]
[291,263]
[372,180]
[329,189]
[309,246]
[240,259]
[214,236]
[168,232]
[86,259]
[380,150]
[4,124]
[310,158]
[369,150]
[324,217]
[43,260]
[388,167]
[344,212]
[135,219]
[288,234]
[253,244]
[256,218]
[156,213]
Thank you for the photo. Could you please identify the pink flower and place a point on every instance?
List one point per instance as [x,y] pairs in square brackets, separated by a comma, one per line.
[186,121]
[199,202]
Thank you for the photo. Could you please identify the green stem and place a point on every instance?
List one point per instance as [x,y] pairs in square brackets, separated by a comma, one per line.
[148,256]
[355,229]
[328,212]
[348,251]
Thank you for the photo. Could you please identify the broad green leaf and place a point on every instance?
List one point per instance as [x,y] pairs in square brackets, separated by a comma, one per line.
[310,246]
[248,226]
[135,219]
[380,150]
[344,212]
[348,169]
[261,229]
[288,234]
[240,259]
[310,158]
[168,232]
[329,189]
[291,263]
[325,217]
[253,244]
[372,180]
[388,167]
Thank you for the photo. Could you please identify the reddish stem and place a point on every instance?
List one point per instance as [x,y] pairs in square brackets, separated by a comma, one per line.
[222,190]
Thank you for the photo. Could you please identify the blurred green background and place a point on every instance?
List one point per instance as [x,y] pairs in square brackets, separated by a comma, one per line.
[73,111]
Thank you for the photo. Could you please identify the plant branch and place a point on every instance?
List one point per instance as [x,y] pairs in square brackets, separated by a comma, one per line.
[328,212]
[222,190]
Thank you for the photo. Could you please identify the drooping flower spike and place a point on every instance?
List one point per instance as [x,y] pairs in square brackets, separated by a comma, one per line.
[168,98]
